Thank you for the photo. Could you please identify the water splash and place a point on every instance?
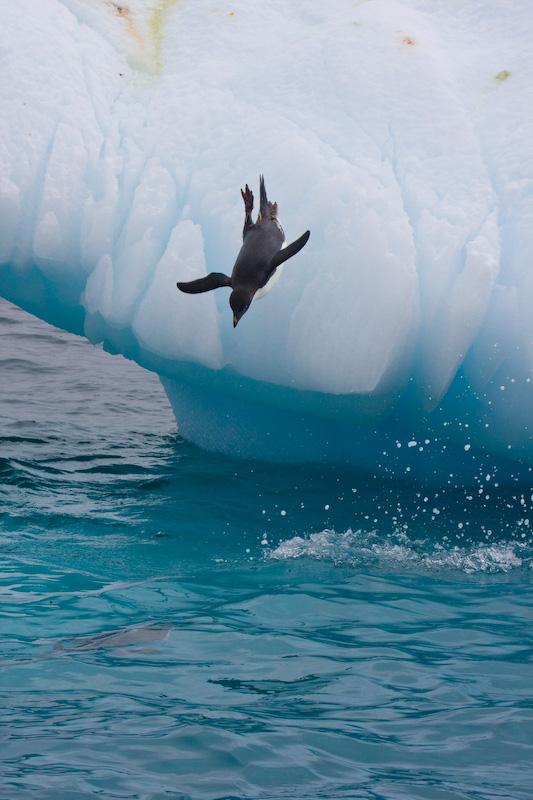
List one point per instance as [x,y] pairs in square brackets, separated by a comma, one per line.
[369,548]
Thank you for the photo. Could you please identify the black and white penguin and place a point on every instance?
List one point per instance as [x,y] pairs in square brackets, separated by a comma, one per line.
[256,269]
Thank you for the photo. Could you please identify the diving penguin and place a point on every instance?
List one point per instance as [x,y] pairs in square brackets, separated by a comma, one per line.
[256,268]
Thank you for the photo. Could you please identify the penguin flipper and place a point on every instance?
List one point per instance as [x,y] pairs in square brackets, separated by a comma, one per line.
[212,281]
[289,251]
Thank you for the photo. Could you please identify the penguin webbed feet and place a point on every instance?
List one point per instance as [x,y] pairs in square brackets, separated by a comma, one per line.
[248,197]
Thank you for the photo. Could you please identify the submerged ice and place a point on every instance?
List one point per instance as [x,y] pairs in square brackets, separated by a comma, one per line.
[400,133]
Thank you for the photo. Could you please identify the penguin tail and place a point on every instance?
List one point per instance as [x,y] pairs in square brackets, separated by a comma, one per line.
[263,204]
[266,210]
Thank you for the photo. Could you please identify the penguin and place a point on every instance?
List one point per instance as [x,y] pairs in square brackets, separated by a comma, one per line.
[262,253]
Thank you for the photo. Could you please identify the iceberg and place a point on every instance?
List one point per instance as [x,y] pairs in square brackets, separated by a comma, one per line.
[399,132]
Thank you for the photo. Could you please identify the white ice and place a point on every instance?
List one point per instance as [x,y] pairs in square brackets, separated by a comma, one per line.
[399,132]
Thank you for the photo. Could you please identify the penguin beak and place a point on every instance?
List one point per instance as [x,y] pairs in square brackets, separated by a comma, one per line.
[235,321]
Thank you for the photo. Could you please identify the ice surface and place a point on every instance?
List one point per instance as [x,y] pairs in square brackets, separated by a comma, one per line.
[399,132]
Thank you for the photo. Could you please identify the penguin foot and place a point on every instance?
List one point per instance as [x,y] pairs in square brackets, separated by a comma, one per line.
[248,197]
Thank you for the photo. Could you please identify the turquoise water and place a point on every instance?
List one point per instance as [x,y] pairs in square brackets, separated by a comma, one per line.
[176,624]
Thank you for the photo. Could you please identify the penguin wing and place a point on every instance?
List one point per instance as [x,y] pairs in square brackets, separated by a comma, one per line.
[288,252]
[212,281]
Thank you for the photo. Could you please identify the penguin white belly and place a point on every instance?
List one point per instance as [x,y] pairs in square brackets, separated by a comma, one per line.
[274,278]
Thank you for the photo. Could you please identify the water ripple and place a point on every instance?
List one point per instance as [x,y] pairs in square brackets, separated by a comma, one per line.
[180,625]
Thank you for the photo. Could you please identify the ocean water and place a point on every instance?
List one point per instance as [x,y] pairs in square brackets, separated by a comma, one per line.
[176,624]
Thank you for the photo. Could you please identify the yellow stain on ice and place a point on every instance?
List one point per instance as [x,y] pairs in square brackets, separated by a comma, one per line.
[145,30]
[502,76]
[160,12]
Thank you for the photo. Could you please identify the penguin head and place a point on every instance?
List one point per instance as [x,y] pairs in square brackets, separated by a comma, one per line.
[239,301]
